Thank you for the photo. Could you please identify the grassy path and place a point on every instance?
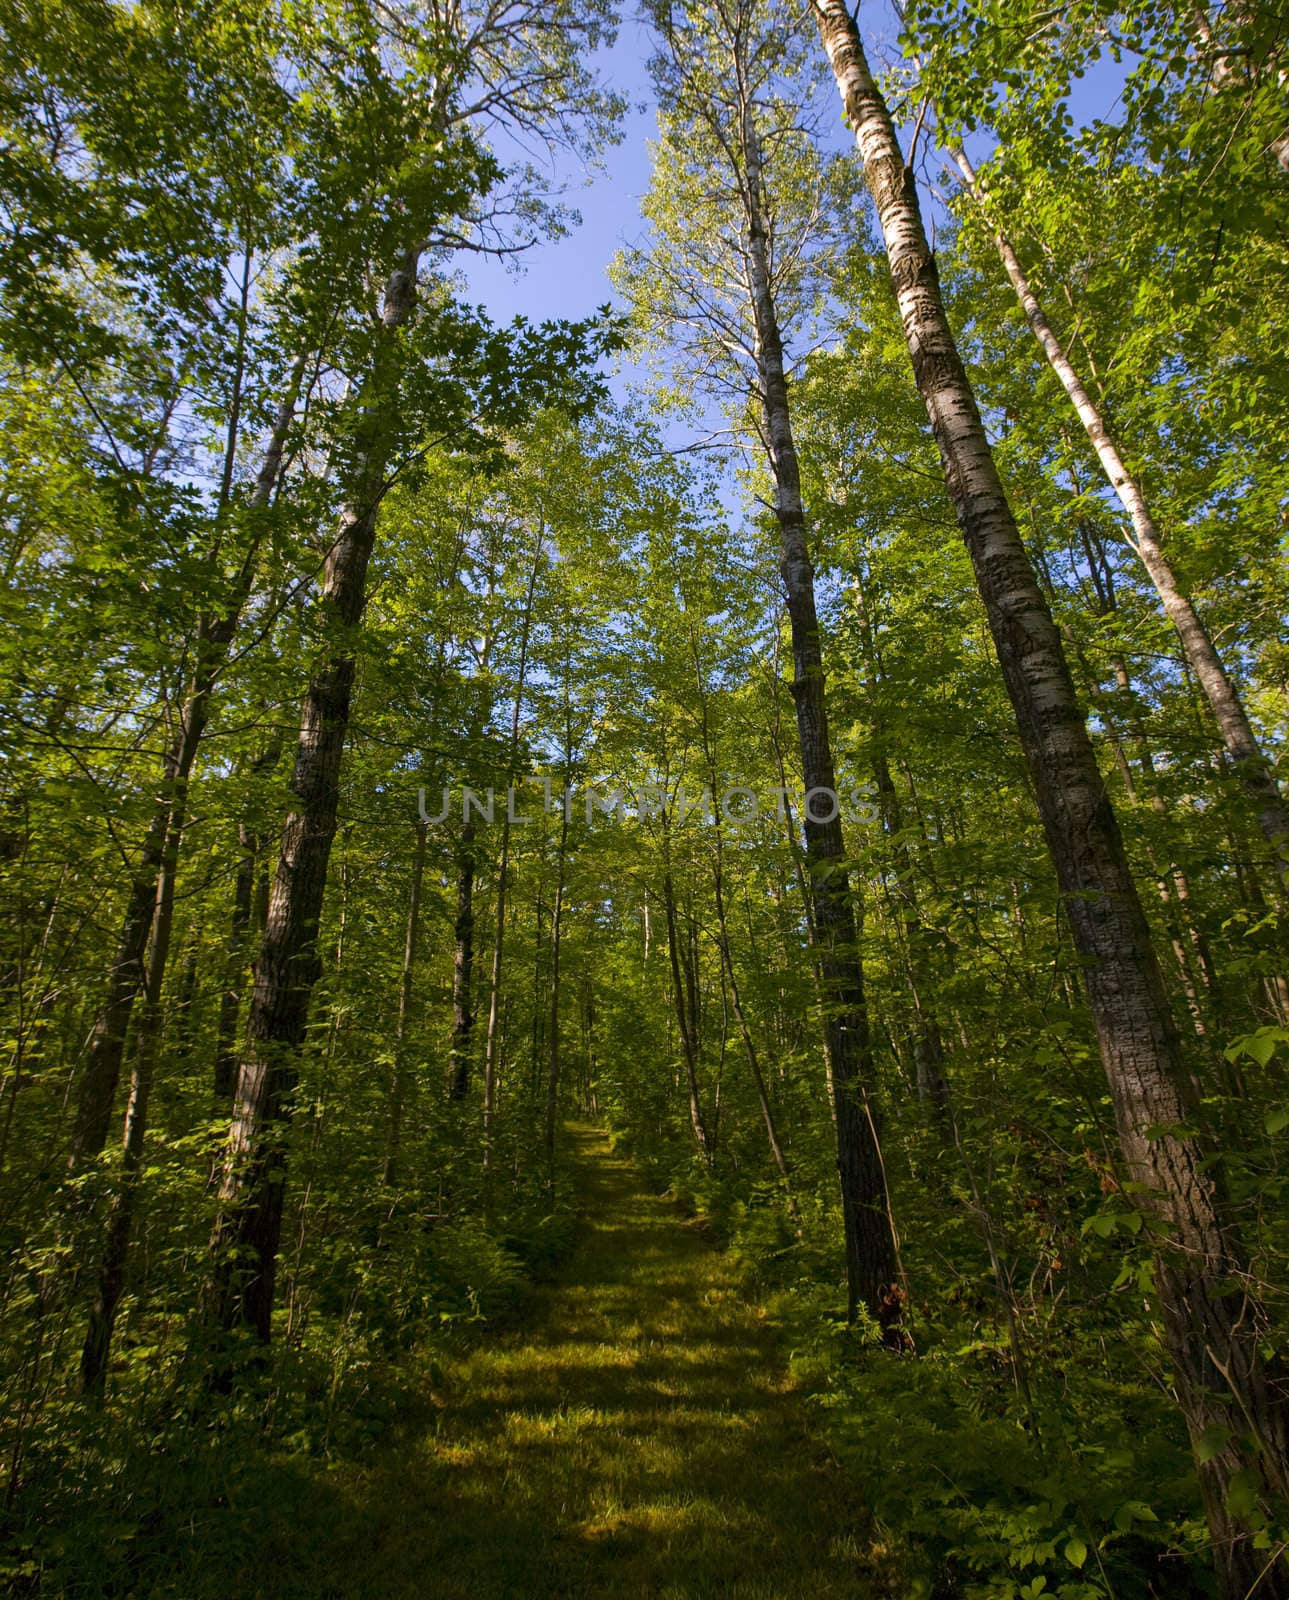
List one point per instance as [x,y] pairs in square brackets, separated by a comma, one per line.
[633,1438]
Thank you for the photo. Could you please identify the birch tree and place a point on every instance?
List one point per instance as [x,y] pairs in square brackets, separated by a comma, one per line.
[1211,1314]
[1221,692]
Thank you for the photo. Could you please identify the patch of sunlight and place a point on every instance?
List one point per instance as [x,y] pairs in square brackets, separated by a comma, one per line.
[846,1548]
[591,1354]
[640,1520]
[522,1428]
[699,1508]
[658,1459]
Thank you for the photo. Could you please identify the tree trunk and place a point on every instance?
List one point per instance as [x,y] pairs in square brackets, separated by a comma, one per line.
[928,1044]
[1251,765]
[726,952]
[552,1053]
[1172,884]
[1211,1319]
[463,969]
[791,842]
[1177,898]
[97,1349]
[97,1086]
[398,1078]
[871,1261]
[186,999]
[681,1000]
[247,1232]
[503,870]
[230,1001]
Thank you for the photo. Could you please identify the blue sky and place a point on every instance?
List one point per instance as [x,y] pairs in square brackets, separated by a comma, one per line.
[568,277]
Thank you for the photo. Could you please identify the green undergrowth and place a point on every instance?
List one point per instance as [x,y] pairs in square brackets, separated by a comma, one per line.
[165,1485]
[656,1394]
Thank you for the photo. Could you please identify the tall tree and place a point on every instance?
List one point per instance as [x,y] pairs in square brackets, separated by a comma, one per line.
[1211,1316]
[731,88]
[1220,690]
[393,406]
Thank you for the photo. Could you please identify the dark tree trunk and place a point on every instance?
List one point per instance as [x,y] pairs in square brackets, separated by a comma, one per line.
[102,1072]
[399,1076]
[463,969]
[492,1038]
[730,976]
[97,1348]
[871,1261]
[230,1000]
[928,1044]
[553,1041]
[682,999]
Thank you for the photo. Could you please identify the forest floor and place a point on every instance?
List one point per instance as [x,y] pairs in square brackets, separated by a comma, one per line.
[632,1435]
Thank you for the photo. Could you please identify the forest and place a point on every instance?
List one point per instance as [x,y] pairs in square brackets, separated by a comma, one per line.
[644,951]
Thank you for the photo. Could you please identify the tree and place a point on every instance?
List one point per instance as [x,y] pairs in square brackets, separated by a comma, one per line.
[1210,1314]
[1222,694]
[720,77]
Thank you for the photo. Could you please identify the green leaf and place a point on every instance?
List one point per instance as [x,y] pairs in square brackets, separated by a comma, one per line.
[1212,1442]
[1076,1552]
[1242,1495]
[1260,1048]
[1133,1511]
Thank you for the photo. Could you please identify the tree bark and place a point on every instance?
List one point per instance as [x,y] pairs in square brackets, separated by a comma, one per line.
[230,1001]
[1210,1313]
[247,1232]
